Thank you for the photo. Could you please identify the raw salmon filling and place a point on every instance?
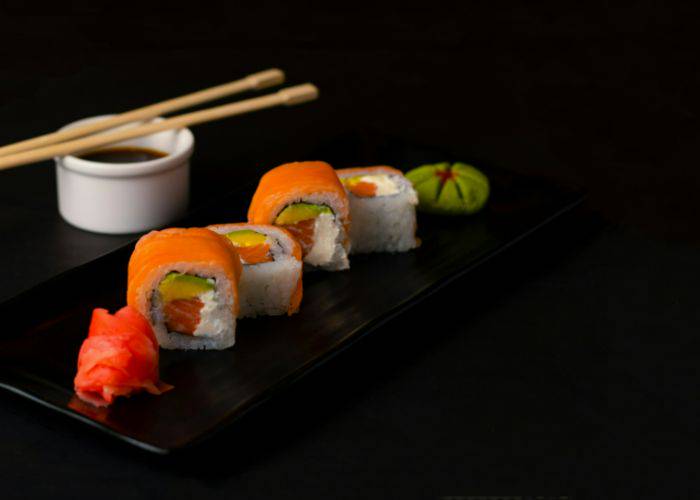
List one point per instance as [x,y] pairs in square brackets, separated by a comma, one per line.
[183,315]
[303,231]
[256,254]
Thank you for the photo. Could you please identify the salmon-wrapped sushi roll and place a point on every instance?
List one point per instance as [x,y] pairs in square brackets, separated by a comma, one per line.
[271,281]
[308,200]
[383,209]
[185,282]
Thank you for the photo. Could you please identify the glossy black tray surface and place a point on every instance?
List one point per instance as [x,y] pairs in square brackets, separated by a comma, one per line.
[46,325]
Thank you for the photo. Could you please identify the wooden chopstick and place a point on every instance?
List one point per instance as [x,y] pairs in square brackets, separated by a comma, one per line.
[288,97]
[255,81]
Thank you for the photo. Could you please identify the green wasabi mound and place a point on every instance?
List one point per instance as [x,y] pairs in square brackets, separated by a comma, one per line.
[449,189]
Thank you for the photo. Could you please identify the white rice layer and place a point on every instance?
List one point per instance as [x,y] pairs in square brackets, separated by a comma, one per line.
[267,288]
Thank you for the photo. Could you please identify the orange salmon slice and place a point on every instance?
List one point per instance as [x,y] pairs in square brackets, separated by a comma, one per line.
[255,254]
[362,189]
[303,231]
[183,315]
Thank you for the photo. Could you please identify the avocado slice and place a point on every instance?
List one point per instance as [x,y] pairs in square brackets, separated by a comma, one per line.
[177,286]
[246,238]
[351,181]
[297,212]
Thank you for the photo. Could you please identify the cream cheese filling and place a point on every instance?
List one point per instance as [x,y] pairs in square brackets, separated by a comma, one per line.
[211,316]
[326,233]
[384,183]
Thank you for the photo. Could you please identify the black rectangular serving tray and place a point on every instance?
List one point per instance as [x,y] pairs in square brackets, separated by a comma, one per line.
[45,326]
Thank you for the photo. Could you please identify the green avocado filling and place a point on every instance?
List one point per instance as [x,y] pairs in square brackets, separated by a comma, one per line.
[246,238]
[297,212]
[177,286]
[350,181]
[450,189]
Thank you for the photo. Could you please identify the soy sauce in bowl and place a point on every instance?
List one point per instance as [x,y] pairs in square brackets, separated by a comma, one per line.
[123,154]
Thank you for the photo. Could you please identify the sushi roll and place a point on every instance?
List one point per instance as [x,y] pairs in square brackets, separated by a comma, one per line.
[383,209]
[307,199]
[185,283]
[271,281]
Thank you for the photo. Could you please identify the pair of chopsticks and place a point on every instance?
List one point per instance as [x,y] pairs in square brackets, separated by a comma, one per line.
[78,139]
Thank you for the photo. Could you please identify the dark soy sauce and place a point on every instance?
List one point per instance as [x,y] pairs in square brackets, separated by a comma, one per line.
[123,154]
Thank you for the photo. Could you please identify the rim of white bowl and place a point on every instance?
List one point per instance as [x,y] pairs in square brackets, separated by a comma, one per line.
[184,146]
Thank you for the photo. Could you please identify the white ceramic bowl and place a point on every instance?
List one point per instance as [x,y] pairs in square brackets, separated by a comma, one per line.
[120,198]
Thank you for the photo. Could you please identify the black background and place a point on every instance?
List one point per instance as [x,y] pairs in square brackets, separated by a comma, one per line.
[571,372]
